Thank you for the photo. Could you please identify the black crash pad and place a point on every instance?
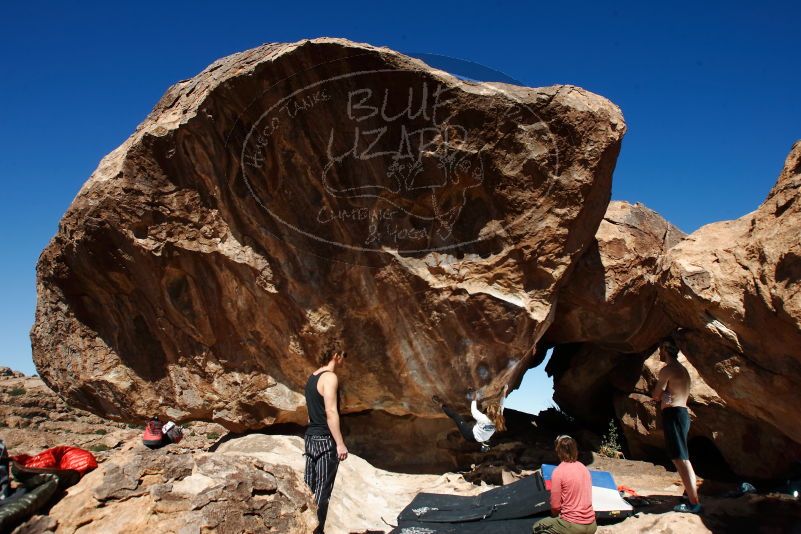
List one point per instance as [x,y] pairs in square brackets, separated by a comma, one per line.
[513,509]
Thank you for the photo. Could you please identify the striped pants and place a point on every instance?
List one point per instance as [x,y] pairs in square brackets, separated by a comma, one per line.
[321,471]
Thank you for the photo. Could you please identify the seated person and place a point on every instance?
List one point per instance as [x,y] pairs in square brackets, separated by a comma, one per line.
[571,494]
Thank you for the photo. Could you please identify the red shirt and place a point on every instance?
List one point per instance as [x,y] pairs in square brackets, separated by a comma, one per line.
[571,493]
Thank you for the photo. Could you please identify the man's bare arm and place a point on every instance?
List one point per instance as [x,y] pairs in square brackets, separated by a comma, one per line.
[661,384]
[330,383]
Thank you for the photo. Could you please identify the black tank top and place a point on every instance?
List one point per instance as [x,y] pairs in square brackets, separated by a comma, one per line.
[315,404]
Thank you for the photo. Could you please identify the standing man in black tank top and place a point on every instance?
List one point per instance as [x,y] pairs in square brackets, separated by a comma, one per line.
[324,445]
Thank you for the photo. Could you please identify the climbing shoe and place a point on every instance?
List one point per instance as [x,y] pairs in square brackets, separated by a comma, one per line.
[686,508]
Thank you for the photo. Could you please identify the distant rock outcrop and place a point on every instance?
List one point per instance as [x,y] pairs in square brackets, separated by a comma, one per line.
[296,195]
[33,418]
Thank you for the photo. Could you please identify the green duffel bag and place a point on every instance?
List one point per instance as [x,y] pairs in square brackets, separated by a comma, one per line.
[66,477]
[5,474]
[24,502]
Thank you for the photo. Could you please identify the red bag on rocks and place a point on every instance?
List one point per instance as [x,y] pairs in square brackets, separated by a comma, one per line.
[61,457]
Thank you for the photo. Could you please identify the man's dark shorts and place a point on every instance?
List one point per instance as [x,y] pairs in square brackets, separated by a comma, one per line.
[676,424]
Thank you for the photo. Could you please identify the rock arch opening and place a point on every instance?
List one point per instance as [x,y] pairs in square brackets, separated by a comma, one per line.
[592,383]
[535,392]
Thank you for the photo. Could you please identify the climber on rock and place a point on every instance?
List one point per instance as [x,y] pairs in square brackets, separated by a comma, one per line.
[483,428]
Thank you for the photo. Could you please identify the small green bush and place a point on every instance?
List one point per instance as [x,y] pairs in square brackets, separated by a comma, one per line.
[99,447]
[213,435]
[610,444]
[16,392]
[101,432]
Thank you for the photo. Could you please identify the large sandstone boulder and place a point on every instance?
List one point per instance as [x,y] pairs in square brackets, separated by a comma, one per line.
[737,312]
[734,287]
[609,312]
[298,194]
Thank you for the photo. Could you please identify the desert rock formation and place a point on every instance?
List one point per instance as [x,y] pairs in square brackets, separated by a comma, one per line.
[296,195]
[444,231]
[734,286]
[32,419]
[730,288]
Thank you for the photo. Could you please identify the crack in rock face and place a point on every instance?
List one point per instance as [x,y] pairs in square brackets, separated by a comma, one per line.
[298,195]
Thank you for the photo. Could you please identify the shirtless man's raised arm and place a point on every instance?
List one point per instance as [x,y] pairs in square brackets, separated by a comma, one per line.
[661,384]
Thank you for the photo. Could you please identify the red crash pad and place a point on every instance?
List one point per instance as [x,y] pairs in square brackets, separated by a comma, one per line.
[61,457]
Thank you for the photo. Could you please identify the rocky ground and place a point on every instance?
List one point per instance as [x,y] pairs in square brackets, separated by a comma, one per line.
[33,418]
[253,483]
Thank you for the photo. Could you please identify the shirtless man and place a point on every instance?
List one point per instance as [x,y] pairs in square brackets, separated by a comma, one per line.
[324,446]
[672,391]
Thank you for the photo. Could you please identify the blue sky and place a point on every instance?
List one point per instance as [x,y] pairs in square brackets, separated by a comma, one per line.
[709,91]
